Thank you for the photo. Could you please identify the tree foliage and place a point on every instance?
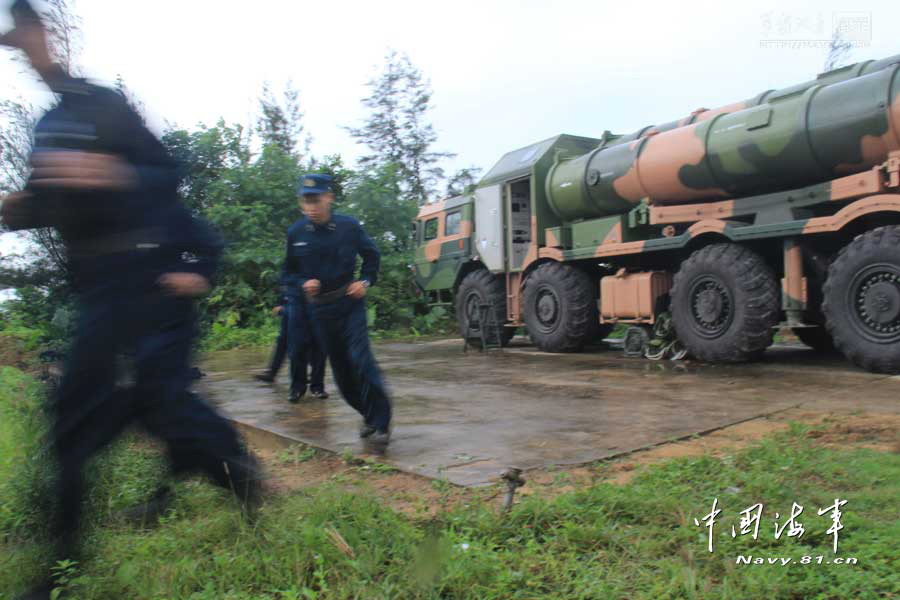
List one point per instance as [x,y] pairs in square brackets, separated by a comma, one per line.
[397,131]
[64,30]
[463,181]
[243,179]
[839,50]
[280,123]
[49,266]
[250,198]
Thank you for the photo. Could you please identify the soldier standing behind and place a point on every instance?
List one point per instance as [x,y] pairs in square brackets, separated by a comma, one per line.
[321,260]
[280,350]
[138,259]
[302,356]
[307,358]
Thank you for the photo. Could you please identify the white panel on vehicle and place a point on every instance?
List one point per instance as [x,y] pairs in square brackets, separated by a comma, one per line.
[489,226]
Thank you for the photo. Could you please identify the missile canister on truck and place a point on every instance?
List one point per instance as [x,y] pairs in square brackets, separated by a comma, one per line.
[708,232]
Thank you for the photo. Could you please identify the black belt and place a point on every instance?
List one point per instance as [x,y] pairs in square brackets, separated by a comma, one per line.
[328,297]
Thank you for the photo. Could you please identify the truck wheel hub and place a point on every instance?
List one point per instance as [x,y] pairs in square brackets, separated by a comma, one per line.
[472,302]
[711,306]
[547,308]
[877,299]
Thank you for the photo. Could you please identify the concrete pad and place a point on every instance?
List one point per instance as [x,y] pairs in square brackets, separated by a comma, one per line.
[466,418]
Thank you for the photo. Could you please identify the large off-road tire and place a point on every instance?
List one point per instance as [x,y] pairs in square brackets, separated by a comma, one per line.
[482,287]
[862,300]
[725,304]
[560,308]
[816,338]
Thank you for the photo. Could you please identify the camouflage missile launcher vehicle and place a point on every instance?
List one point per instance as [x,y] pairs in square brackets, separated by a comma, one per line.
[704,234]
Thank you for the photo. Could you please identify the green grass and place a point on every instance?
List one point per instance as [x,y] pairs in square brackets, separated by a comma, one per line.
[225,336]
[220,337]
[636,541]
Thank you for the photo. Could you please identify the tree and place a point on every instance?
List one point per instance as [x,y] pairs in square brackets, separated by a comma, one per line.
[205,156]
[136,105]
[17,119]
[333,164]
[64,31]
[839,51]
[463,181]
[49,263]
[251,198]
[16,141]
[372,198]
[280,124]
[397,131]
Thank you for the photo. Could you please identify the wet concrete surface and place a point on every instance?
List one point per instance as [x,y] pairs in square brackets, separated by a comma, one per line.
[466,418]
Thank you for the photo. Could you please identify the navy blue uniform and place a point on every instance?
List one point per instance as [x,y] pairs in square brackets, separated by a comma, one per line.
[305,349]
[281,344]
[328,253]
[297,340]
[118,244]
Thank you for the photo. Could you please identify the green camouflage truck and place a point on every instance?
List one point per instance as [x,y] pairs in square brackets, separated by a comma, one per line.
[704,235]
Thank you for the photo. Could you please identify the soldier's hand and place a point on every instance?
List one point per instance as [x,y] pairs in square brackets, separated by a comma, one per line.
[312,287]
[277,310]
[356,290]
[77,170]
[184,284]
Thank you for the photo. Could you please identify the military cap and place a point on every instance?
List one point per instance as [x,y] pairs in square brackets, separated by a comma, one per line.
[315,183]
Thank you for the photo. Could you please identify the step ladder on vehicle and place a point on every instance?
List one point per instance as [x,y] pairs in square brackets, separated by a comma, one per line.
[484,328]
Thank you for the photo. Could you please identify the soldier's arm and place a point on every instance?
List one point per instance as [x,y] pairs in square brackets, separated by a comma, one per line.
[371,257]
[195,249]
[291,278]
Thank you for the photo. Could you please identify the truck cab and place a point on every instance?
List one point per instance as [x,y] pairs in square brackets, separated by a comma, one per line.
[443,234]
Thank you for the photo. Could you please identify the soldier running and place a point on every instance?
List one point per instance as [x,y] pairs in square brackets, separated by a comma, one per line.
[138,260]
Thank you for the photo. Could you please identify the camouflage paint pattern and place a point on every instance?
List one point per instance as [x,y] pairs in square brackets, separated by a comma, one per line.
[439,261]
[613,231]
[799,161]
[797,137]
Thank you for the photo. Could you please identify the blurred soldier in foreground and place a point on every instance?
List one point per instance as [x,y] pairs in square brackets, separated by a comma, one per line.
[138,260]
[321,260]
